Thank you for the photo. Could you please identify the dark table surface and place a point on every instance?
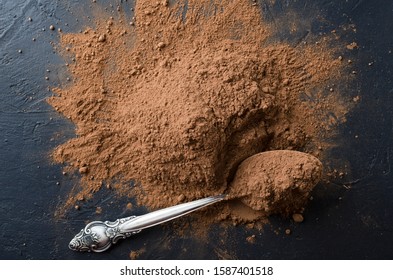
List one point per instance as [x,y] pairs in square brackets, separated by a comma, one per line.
[341,223]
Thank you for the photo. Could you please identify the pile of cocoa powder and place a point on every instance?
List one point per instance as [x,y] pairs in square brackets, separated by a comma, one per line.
[173,103]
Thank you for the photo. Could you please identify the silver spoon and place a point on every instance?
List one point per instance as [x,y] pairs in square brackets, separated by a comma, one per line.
[98,236]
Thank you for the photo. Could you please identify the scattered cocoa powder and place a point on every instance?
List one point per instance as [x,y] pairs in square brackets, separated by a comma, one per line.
[134,255]
[352,46]
[297,218]
[98,210]
[167,108]
[251,239]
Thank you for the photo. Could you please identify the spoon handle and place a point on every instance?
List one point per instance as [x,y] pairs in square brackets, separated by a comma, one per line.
[167,214]
[99,236]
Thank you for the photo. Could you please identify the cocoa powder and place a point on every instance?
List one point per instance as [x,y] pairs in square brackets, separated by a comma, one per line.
[276,182]
[174,104]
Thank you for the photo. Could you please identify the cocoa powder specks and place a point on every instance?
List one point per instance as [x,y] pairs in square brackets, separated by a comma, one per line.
[174,105]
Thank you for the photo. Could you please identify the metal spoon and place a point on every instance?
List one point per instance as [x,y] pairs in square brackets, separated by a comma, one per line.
[98,236]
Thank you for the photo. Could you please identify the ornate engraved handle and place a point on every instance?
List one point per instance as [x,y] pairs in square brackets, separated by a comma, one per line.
[98,236]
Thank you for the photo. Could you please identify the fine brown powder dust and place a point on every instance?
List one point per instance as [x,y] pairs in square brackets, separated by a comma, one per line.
[176,104]
[276,182]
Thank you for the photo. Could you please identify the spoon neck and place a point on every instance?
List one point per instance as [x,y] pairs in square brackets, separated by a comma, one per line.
[167,214]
